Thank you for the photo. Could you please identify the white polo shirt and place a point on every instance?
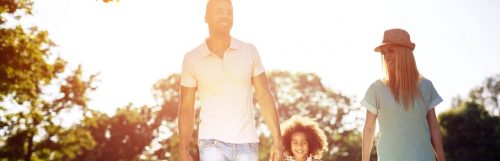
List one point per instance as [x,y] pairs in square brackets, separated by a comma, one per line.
[224,88]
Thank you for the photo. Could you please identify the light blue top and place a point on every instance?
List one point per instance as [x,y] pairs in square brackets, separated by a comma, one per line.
[403,135]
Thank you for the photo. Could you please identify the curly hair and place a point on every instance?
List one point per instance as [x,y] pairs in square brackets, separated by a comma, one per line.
[315,136]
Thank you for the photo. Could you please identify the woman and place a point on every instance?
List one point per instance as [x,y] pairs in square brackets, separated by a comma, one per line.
[403,103]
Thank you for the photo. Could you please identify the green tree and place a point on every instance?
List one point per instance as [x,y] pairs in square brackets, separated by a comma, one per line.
[133,133]
[122,136]
[32,133]
[23,66]
[166,92]
[470,132]
[491,94]
[28,130]
[296,94]
[128,134]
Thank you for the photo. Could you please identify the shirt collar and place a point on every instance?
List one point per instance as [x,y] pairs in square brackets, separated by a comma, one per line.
[233,45]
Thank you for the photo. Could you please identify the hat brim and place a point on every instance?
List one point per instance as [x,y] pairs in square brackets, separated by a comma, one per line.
[409,45]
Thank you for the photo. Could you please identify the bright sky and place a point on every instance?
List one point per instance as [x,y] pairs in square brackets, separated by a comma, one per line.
[134,43]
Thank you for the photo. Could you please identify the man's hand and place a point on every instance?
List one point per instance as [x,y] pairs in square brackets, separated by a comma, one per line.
[185,156]
[276,151]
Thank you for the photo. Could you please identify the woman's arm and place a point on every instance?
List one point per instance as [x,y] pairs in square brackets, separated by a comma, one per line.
[368,133]
[435,135]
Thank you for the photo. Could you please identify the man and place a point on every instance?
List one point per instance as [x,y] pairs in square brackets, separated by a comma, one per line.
[222,70]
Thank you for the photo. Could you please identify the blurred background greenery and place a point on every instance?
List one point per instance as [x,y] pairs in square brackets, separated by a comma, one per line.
[37,93]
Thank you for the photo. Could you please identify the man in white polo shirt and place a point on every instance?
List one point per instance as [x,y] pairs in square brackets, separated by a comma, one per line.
[223,71]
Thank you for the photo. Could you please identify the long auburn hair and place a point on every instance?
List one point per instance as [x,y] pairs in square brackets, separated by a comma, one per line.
[403,80]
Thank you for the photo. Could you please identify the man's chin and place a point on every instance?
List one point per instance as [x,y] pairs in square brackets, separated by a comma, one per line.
[224,31]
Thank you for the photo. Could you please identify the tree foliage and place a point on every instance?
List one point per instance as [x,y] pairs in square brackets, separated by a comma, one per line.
[23,66]
[122,136]
[28,126]
[135,133]
[36,91]
[470,131]
[32,131]
[488,94]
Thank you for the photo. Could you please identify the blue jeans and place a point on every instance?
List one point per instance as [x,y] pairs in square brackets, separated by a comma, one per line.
[214,150]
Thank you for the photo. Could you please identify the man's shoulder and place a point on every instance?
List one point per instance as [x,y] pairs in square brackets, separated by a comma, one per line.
[239,42]
[195,51]
[242,44]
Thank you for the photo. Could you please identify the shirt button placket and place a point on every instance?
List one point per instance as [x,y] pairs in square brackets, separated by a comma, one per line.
[224,62]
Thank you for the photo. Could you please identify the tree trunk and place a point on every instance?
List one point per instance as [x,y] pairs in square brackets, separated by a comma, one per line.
[29,151]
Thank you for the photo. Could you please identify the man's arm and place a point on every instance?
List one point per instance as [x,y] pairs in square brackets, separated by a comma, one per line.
[186,121]
[268,110]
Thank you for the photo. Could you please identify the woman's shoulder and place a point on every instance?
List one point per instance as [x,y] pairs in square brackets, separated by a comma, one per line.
[377,84]
[380,81]
[424,82]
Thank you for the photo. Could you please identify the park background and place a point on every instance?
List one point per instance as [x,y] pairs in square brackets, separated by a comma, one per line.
[97,80]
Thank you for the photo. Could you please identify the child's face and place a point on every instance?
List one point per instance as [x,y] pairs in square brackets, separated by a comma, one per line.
[299,145]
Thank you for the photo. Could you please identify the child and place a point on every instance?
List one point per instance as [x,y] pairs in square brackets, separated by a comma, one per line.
[303,139]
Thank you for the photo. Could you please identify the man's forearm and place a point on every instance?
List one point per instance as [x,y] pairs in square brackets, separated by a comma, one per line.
[186,125]
[268,110]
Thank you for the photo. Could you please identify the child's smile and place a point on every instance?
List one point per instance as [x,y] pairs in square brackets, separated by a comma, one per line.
[300,146]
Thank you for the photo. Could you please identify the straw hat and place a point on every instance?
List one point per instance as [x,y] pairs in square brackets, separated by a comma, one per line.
[396,37]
